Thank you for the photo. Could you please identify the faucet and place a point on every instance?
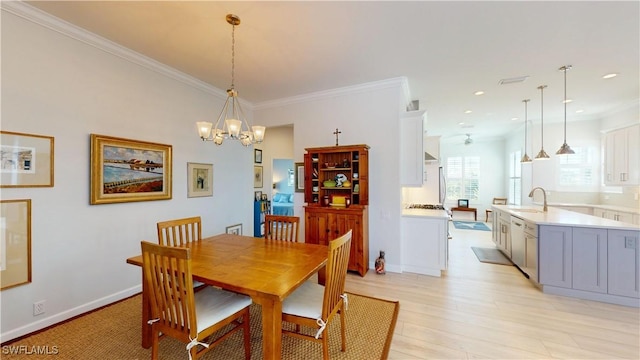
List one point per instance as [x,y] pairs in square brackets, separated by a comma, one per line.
[544,195]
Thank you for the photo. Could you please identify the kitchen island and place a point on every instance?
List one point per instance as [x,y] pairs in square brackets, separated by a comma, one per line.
[571,254]
[425,244]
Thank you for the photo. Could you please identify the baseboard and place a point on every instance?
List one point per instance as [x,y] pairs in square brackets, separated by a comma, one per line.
[65,315]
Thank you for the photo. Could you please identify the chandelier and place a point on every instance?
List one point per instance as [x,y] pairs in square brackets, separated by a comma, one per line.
[232,123]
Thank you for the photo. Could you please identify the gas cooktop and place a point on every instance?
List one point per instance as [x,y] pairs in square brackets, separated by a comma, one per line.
[426,206]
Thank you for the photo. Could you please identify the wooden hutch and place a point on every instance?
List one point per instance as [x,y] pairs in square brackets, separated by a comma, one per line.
[333,209]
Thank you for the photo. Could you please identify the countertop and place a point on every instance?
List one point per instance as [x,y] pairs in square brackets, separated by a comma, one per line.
[598,206]
[560,217]
[436,214]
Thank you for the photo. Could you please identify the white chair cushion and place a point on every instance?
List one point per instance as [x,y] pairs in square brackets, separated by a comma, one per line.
[305,301]
[197,284]
[213,305]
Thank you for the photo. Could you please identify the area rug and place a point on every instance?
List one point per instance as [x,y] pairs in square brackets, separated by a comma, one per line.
[114,333]
[471,225]
[490,255]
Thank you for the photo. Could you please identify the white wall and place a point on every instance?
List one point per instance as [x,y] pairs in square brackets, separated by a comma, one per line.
[367,115]
[57,86]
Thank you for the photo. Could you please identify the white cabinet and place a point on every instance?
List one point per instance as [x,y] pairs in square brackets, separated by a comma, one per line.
[555,260]
[589,259]
[624,263]
[503,233]
[424,244]
[622,158]
[615,215]
[531,250]
[412,148]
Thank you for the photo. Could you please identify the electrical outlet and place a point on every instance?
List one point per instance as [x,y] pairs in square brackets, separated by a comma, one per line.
[38,308]
[629,242]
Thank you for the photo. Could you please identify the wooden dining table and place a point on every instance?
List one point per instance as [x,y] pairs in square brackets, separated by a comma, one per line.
[266,270]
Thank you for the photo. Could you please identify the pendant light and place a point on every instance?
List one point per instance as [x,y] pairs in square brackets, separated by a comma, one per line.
[231,125]
[565,149]
[525,157]
[542,155]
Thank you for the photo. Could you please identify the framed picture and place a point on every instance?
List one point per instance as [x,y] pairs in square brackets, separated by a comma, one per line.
[124,170]
[15,243]
[258,195]
[257,177]
[264,197]
[299,174]
[235,229]
[199,180]
[463,203]
[26,160]
[257,156]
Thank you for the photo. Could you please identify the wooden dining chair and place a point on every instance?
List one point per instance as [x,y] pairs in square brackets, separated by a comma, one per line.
[179,232]
[181,313]
[313,305]
[278,227]
[496,201]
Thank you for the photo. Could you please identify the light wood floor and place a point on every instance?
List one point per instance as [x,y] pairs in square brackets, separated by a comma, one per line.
[485,311]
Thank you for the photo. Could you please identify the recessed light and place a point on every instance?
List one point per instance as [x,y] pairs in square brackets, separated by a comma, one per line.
[567,101]
[579,111]
[610,76]
[514,118]
[479,92]
[461,123]
[468,111]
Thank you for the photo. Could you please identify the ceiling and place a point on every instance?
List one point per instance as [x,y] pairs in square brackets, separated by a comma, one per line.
[446,50]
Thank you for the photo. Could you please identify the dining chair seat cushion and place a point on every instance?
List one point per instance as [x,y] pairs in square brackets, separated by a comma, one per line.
[213,305]
[305,301]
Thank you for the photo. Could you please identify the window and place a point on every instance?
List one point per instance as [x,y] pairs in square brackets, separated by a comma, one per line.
[515,178]
[577,171]
[463,174]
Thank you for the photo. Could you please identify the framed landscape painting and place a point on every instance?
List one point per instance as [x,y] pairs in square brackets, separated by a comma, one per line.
[26,160]
[124,170]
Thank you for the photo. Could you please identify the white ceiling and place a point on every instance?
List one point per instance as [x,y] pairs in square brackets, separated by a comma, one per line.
[447,50]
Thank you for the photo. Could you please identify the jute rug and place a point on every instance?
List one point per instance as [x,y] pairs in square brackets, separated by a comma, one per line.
[114,333]
[491,255]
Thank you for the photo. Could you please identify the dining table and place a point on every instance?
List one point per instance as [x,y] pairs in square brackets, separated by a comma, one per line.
[266,270]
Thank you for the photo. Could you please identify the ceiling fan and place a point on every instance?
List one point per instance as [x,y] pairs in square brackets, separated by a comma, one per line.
[468,140]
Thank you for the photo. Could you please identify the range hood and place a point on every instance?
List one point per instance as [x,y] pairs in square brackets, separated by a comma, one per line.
[429,157]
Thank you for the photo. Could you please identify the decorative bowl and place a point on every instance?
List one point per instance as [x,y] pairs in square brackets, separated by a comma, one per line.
[329,183]
[346,183]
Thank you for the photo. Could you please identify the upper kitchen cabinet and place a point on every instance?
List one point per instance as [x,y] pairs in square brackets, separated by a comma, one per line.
[412,154]
[622,158]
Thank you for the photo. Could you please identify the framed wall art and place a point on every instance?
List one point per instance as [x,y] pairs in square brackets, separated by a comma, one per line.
[299,175]
[257,195]
[257,177]
[26,160]
[199,180]
[235,229]
[257,156]
[15,243]
[124,170]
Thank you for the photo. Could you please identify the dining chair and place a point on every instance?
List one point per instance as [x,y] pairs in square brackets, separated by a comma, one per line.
[313,305]
[181,313]
[496,201]
[179,232]
[279,227]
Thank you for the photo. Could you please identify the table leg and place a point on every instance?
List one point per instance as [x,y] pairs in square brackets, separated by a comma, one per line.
[271,327]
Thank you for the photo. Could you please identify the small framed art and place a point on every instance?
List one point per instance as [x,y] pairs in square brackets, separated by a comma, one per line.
[234,229]
[199,180]
[257,177]
[27,160]
[257,156]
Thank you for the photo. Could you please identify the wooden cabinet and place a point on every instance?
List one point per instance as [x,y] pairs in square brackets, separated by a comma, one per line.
[412,148]
[624,263]
[350,162]
[323,224]
[622,158]
[326,218]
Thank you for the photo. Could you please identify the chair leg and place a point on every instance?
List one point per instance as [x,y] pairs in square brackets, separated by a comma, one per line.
[247,335]
[325,344]
[343,328]
[154,343]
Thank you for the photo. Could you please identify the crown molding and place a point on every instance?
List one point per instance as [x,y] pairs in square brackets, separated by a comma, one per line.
[60,26]
[401,82]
